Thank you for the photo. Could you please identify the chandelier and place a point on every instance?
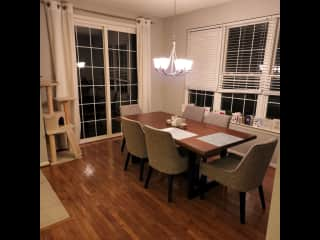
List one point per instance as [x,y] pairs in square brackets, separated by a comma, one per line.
[172,66]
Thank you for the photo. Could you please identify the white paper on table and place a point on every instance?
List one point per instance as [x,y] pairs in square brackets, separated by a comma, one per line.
[220,139]
[179,134]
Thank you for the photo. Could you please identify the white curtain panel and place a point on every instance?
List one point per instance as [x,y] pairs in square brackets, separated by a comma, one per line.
[59,18]
[144,63]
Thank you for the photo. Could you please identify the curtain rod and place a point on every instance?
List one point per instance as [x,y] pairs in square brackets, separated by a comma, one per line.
[103,14]
[108,15]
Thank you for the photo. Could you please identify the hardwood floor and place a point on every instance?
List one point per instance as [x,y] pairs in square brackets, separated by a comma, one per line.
[105,202]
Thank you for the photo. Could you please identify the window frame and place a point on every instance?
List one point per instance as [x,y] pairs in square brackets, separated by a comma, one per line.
[266,74]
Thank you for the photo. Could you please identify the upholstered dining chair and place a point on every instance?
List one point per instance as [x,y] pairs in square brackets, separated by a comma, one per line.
[221,120]
[126,110]
[242,174]
[135,141]
[163,156]
[194,113]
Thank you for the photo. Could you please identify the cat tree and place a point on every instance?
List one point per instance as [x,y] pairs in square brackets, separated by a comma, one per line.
[57,123]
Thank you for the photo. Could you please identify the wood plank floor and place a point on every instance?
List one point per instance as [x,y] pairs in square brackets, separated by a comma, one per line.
[105,202]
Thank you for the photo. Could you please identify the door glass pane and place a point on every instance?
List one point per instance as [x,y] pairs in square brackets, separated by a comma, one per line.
[96,38]
[122,72]
[122,67]
[91,79]
[124,41]
[85,75]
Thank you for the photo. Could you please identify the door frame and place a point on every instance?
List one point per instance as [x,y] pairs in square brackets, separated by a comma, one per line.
[104,25]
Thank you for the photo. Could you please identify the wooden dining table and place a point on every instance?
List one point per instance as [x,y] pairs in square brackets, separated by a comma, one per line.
[196,148]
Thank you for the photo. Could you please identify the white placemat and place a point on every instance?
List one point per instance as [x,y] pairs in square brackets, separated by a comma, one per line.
[179,133]
[220,139]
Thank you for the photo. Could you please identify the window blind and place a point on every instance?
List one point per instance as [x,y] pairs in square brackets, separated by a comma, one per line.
[245,57]
[275,71]
[204,47]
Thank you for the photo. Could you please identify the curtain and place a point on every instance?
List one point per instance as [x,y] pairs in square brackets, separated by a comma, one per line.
[144,63]
[60,25]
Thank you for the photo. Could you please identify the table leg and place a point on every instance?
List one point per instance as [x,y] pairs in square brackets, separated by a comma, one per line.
[223,153]
[191,174]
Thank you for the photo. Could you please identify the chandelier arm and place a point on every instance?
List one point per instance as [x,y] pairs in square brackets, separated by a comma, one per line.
[173,66]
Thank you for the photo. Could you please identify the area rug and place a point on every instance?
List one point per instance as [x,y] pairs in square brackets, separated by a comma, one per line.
[51,209]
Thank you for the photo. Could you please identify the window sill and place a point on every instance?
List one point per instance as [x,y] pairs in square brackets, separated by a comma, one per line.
[269,130]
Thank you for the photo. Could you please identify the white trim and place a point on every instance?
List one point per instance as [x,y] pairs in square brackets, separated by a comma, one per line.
[44,163]
[107,81]
[259,129]
[100,23]
[98,138]
[217,101]
[251,21]
[242,22]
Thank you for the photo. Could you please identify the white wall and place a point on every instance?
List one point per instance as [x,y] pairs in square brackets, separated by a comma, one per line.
[173,89]
[43,145]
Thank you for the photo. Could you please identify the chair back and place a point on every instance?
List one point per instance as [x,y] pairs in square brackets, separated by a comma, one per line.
[130,109]
[134,135]
[194,113]
[221,120]
[162,152]
[251,170]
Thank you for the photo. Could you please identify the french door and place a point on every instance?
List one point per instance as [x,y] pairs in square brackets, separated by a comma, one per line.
[107,78]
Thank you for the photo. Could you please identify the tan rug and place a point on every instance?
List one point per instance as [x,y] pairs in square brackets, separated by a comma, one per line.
[51,208]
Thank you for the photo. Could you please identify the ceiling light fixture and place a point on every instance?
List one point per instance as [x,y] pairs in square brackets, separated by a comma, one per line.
[173,66]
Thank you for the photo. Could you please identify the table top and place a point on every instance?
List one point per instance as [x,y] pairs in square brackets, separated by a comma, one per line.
[158,120]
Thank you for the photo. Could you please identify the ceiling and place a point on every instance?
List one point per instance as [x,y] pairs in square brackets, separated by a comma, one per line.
[151,8]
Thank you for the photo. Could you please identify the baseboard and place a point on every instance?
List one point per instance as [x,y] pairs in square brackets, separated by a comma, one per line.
[44,163]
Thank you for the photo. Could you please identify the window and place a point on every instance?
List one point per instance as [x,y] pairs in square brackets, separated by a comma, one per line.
[243,103]
[252,69]
[123,73]
[273,107]
[91,83]
[245,57]
[275,71]
[205,50]
[201,98]
[107,76]
[247,67]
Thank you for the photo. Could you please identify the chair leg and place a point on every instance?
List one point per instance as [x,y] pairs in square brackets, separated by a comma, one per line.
[243,207]
[142,160]
[170,183]
[123,144]
[262,197]
[127,161]
[148,177]
[203,182]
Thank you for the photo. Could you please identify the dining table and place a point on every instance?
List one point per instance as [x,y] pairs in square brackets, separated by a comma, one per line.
[195,145]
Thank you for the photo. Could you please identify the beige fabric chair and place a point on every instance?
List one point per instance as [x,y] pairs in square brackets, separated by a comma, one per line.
[163,156]
[242,174]
[194,113]
[126,110]
[132,109]
[135,141]
[221,120]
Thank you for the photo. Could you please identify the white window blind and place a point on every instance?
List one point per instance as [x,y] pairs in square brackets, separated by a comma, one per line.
[248,58]
[204,47]
[273,82]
